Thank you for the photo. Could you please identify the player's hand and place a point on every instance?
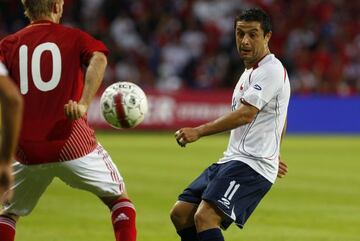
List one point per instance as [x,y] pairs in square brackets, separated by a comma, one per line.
[74,110]
[283,169]
[186,135]
[6,181]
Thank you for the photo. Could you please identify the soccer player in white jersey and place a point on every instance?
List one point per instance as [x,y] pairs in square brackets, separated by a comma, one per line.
[229,190]
[11,112]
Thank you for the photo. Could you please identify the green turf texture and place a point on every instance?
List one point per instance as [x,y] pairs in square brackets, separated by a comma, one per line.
[319,200]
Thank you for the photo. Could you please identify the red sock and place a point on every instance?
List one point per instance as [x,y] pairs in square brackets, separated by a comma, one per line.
[7,229]
[123,220]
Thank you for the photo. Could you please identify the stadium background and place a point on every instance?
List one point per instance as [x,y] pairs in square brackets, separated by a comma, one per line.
[182,53]
[172,47]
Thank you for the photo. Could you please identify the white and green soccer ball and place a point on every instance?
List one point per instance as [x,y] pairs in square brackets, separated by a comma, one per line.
[123,105]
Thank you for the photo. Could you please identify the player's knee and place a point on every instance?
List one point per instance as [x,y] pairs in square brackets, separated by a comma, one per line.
[201,217]
[177,217]
[109,201]
[206,217]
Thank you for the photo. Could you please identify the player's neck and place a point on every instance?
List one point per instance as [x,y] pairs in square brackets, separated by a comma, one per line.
[249,65]
[51,18]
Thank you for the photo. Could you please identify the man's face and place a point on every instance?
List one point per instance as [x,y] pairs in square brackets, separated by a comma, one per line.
[251,43]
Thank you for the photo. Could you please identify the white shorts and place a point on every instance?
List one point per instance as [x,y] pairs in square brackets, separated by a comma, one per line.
[94,172]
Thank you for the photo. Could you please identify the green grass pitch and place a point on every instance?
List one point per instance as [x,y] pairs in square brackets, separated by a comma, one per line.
[319,200]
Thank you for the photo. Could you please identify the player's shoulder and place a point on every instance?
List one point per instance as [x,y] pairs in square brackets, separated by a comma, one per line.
[69,30]
[270,63]
[9,38]
[270,67]
[7,42]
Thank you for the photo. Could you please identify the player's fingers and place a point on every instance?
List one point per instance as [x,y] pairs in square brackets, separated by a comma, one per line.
[77,112]
[81,110]
[283,165]
[177,134]
[282,172]
[72,110]
[180,141]
[68,109]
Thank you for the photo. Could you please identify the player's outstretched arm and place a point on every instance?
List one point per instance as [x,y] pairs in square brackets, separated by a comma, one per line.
[243,115]
[11,114]
[283,168]
[93,78]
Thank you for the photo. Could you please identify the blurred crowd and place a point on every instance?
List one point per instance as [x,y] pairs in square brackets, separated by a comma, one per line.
[175,44]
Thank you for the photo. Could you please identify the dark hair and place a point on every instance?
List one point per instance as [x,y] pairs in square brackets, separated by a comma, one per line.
[257,15]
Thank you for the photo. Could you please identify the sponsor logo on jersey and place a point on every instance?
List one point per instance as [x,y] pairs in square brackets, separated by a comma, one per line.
[257,87]
[241,86]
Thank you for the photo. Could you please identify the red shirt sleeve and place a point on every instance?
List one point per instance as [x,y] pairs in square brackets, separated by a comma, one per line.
[88,45]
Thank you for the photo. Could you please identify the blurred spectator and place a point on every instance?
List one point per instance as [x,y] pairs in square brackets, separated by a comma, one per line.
[177,44]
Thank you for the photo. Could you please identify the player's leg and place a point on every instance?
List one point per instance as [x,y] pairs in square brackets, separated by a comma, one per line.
[182,214]
[123,216]
[97,173]
[208,220]
[8,227]
[231,196]
[29,184]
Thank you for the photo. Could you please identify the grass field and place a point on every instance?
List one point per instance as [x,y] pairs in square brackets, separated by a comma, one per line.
[319,200]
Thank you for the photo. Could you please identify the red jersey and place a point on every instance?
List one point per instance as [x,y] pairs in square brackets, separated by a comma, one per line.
[47,61]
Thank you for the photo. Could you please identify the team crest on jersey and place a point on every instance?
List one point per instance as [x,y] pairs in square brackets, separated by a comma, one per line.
[241,86]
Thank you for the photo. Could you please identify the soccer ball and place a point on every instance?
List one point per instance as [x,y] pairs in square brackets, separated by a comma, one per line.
[123,105]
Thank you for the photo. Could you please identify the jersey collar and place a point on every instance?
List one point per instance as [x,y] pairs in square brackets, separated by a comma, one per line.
[260,61]
[41,22]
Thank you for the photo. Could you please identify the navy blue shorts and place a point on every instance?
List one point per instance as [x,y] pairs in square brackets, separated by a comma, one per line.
[234,187]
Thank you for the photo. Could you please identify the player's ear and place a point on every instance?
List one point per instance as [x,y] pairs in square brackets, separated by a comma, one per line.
[56,6]
[267,37]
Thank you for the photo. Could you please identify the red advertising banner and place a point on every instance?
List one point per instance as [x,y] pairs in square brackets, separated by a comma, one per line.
[172,110]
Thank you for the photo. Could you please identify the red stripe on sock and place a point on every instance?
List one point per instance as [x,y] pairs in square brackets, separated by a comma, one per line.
[124,220]
[7,229]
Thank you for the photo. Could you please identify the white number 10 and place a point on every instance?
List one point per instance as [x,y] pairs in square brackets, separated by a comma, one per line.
[35,67]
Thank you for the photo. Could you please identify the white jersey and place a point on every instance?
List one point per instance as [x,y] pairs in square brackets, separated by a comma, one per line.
[3,70]
[265,86]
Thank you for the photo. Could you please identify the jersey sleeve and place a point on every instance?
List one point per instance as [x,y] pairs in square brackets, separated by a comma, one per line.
[88,45]
[263,87]
[3,70]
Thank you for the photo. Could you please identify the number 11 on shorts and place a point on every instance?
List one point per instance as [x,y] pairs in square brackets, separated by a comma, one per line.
[233,187]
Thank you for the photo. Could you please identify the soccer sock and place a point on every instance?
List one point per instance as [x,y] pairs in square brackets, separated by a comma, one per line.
[123,220]
[7,229]
[213,234]
[188,234]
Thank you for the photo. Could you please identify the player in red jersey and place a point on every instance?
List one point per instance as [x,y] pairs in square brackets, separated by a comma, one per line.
[11,103]
[58,71]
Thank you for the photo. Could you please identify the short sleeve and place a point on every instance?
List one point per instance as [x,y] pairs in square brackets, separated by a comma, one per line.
[3,70]
[88,45]
[265,84]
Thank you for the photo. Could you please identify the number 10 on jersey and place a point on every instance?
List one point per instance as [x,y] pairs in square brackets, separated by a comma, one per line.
[36,67]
